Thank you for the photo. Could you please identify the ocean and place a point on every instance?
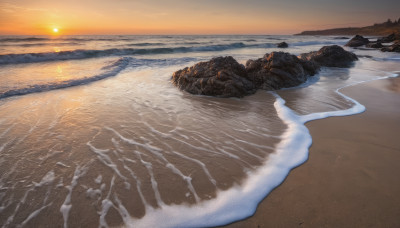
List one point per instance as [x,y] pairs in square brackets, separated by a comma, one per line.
[94,134]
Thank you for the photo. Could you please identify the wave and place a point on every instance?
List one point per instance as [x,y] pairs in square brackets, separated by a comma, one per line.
[291,152]
[193,43]
[25,39]
[308,43]
[34,39]
[40,44]
[144,44]
[85,54]
[110,70]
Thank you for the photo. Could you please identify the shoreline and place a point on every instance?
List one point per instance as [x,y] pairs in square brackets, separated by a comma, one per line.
[348,179]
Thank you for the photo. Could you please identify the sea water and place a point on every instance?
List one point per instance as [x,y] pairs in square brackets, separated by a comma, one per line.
[93,133]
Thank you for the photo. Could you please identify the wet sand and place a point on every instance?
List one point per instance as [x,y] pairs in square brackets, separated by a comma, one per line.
[351,178]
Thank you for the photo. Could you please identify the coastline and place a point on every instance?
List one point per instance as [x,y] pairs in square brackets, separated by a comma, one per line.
[349,179]
[93,172]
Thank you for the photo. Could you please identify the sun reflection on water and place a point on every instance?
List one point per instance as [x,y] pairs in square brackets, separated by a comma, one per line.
[57,49]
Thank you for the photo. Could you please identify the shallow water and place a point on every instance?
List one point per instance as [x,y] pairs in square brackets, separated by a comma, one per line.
[100,137]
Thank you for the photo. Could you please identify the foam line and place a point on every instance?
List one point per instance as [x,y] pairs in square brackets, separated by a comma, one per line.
[105,159]
[154,183]
[222,209]
[203,166]
[33,215]
[291,152]
[357,107]
[106,204]
[111,70]
[86,54]
[66,206]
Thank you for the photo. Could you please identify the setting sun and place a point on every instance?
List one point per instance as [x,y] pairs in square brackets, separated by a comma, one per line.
[55,30]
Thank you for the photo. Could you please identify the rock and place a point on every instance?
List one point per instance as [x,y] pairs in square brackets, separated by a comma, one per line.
[388,39]
[357,41]
[221,77]
[225,77]
[279,70]
[330,56]
[374,45]
[392,48]
[341,38]
[282,45]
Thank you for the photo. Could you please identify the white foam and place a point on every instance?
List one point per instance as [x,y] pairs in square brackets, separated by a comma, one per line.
[105,159]
[93,193]
[33,215]
[66,206]
[291,152]
[98,179]
[47,179]
[63,165]
[222,209]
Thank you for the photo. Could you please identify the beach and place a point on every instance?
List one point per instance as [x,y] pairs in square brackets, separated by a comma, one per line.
[97,134]
[351,177]
[192,114]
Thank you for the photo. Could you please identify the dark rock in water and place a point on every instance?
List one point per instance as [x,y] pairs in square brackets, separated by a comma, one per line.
[282,45]
[388,39]
[392,48]
[341,38]
[357,41]
[374,45]
[365,56]
[225,77]
[330,56]
[221,77]
[279,70]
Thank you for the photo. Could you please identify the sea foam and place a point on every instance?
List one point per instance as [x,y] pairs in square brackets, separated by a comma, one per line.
[240,202]
[86,54]
[109,71]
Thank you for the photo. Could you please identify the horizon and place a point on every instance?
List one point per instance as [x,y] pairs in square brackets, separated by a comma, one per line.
[176,17]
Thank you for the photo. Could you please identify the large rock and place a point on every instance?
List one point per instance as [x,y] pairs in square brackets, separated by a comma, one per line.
[221,77]
[374,45]
[357,41]
[279,70]
[395,47]
[282,45]
[225,77]
[331,56]
[388,39]
[341,38]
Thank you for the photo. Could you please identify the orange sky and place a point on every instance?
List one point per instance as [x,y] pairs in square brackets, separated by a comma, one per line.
[39,17]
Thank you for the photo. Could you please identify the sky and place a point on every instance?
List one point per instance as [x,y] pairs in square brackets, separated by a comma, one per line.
[40,17]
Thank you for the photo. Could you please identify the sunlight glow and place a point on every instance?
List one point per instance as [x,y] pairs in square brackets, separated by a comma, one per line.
[55,30]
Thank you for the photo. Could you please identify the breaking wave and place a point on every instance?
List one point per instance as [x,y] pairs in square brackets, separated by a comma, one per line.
[308,43]
[84,54]
[109,71]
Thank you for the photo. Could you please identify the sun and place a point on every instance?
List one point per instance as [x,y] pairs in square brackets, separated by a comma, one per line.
[55,30]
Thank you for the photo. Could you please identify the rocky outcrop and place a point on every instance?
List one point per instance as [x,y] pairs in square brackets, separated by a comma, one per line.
[378,29]
[279,70]
[225,77]
[331,56]
[388,39]
[374,45]
[341,38]
[221,77]
[395,47]
[357,41]
[282,45]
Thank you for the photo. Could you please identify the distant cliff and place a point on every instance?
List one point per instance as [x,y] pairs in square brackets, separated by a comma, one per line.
[382,29]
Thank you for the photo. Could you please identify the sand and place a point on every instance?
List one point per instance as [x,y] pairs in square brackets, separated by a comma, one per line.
[352,177]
